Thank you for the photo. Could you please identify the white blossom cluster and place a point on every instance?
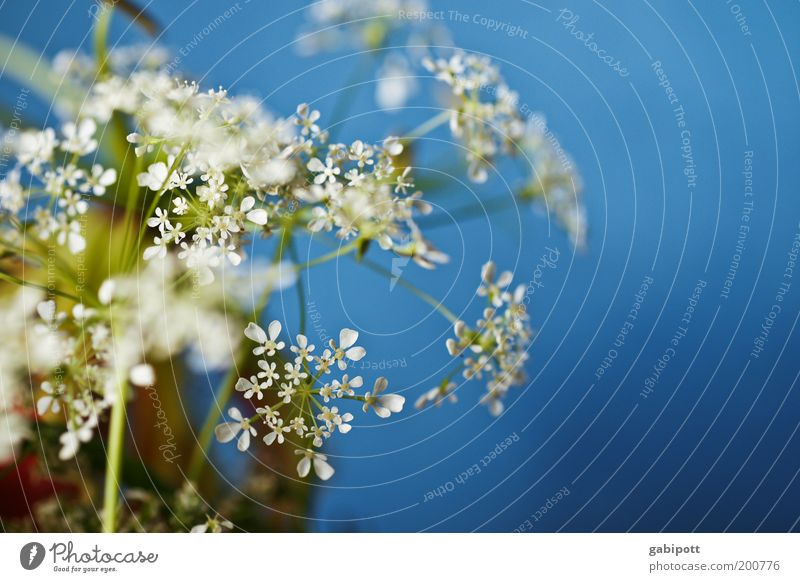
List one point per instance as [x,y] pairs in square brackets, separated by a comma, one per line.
[221,167]
[486,118]
[497,346]
[484,115]
[306,388]
[354,23]
[81,357]
[554,180]
[47,169]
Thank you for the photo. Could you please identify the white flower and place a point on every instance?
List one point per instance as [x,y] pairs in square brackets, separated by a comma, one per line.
[293,373]
[321,467]
[268,344]
[383,404]
[158,250]
[345,387]
[250,387]
[325,172]
[99,180]
[302,349]
[346,348]
[50,402]
[227,431]
[181,207]
[437,395]
[79,139]
[268,372]
[307,120]
[212,525]
[156,177]
[277,430]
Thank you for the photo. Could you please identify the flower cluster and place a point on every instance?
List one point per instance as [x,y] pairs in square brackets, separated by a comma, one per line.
[498,344]
[484,116]
[85,354]
[48,168]
[304,390]
[554,180]
[219,167]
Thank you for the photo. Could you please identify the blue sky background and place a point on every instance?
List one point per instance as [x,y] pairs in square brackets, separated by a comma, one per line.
[715,446]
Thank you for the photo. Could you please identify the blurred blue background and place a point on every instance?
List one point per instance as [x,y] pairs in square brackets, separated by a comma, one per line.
[714,445]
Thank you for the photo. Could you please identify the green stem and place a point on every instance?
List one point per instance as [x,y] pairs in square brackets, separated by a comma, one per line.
[426,297]
[341,251]
[468,212]
[428,126]
[17,281]
[116,446]
[301,294]
[199,456]
[101,39]
[342,106]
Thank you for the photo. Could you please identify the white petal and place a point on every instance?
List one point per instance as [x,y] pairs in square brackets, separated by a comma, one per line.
[274,329]
[258,216]
[247,204]
[304,467]
[315,165]
[255,333]
[47,310]
[323,469]
[227,431]
[106,291]
[244,441]
[234,413]
[347,337]
[393,402]
[356,353]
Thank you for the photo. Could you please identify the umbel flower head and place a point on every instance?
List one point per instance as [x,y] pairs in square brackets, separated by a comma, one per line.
[495,349]
[296,394]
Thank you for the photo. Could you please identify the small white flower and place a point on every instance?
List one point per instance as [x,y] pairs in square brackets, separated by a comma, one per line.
[227,431]
[181,206]
[268,372]
[293,373]
[212,525]
[346,348]
[50,402]
[277,430]
[302,349]
[99,180]
[321,467]
[250,387]
[268,343]
[385,404]
[79,139]
[327,171]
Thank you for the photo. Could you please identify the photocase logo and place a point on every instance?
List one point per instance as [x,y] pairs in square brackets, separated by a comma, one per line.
[31,555]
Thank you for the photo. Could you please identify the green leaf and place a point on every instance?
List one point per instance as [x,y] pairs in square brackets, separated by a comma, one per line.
[32,71]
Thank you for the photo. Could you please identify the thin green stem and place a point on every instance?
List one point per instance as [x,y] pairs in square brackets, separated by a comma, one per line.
[428,126]
[199,456]
[198,459]
[116,446]
[416,291]
[468,212]
[301,293]
[341,251]
[17,281]
[101,38]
